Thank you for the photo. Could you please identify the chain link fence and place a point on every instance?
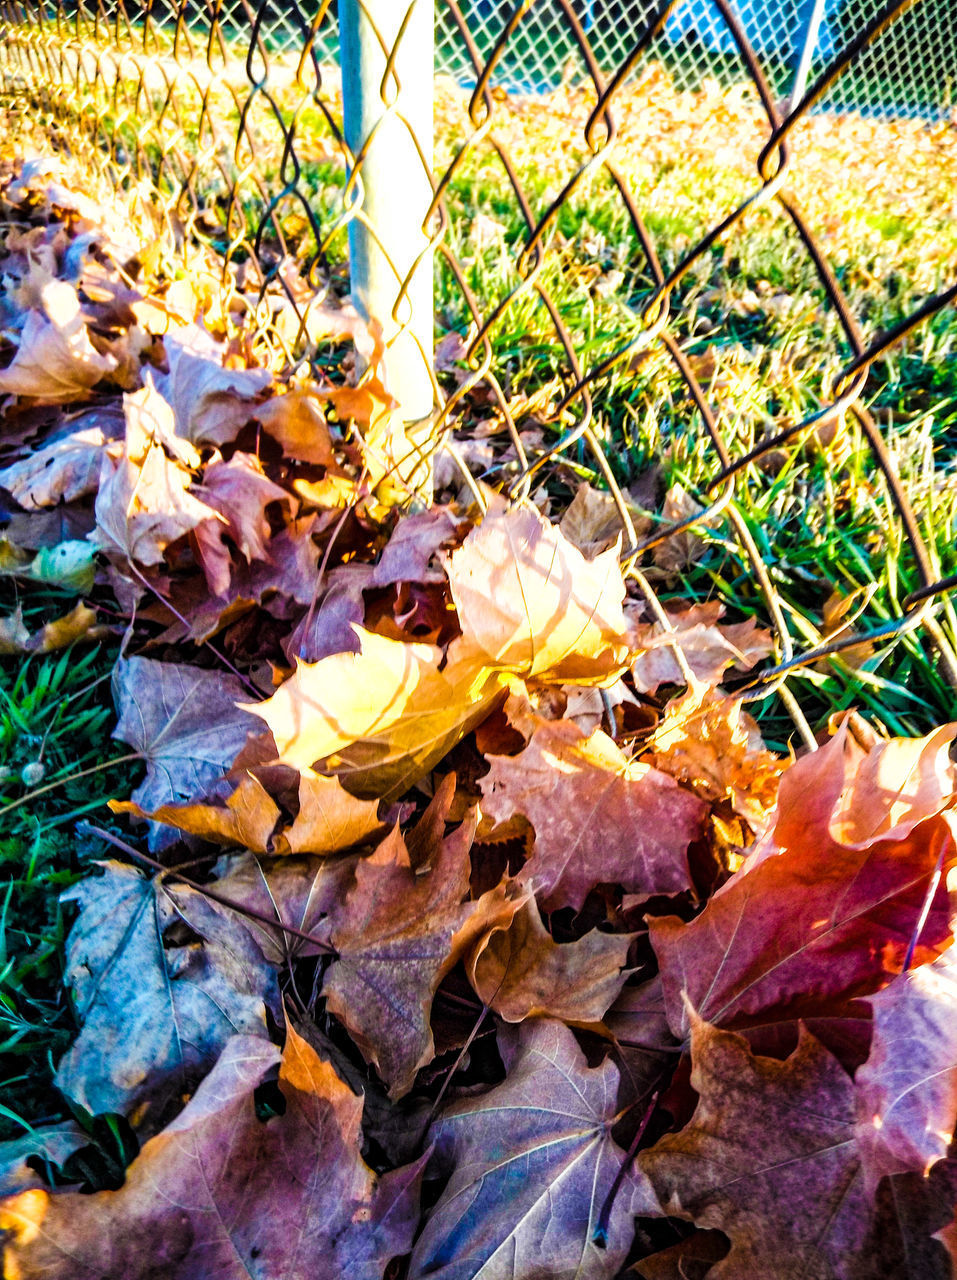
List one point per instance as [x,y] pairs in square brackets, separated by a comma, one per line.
[614,221]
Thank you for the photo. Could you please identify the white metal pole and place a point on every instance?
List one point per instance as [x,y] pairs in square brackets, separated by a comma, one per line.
[387,110]
[811,13]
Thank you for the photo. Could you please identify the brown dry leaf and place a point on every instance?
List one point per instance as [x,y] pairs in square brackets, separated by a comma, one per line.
[297,422]
[380,718]
[597,818]
[248,817]
[55,362]
[518,970]
[681,549]
[210,404]
[409,554]
[400,929]
[222,1193]
[144,503]
[240,492]
[529,602]
[708,741]
[769,1158]
[708,649]
[329,818]
[592,521]
[298,892]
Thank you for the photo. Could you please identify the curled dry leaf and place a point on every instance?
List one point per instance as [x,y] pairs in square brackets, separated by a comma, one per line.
[239,491]
[154,1015]
[297,423]
[769,1158]
[55,362]
[529,602]
[907,1089]
[527,1167]
[248,817]
[707,741]
[210,404]
[708,649]
[66,468]
[144,503]
[519,970]
[598,818]
[220,1194]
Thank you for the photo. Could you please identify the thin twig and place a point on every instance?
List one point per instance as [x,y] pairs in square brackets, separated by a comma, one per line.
[72,777]
[240,909]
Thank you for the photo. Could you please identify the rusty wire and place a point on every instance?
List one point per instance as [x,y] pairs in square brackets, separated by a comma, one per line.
[196,100]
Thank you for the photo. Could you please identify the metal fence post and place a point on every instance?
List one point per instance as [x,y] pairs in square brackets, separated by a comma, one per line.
[810,14]
[387,59]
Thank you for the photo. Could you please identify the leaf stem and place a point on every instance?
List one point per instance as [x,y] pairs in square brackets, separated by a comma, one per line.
[600,1234]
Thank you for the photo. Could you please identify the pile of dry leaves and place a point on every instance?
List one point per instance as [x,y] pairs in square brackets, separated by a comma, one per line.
[479,934]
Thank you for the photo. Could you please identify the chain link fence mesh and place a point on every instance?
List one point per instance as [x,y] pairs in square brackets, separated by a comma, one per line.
[617,321]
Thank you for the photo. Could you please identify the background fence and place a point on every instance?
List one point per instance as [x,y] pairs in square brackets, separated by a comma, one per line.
[642,246]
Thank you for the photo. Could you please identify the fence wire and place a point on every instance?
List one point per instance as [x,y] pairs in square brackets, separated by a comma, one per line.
[571,261]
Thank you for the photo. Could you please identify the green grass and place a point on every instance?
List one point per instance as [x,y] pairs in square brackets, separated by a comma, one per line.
[55,723]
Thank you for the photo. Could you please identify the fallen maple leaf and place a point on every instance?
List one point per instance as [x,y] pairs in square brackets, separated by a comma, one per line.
[592,521]
[907,1089]
[399,930]
[526,1169]
[519,970]
[329,818]
[239,491]
[221,1195]
[529,602]
[154,1016]
[769,1157]
[297,423]
[298,892]
[808,923]
[380,718]
[143,503]
[185,723]
[248,817]
[597,818]
[55,362]
[210,403]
